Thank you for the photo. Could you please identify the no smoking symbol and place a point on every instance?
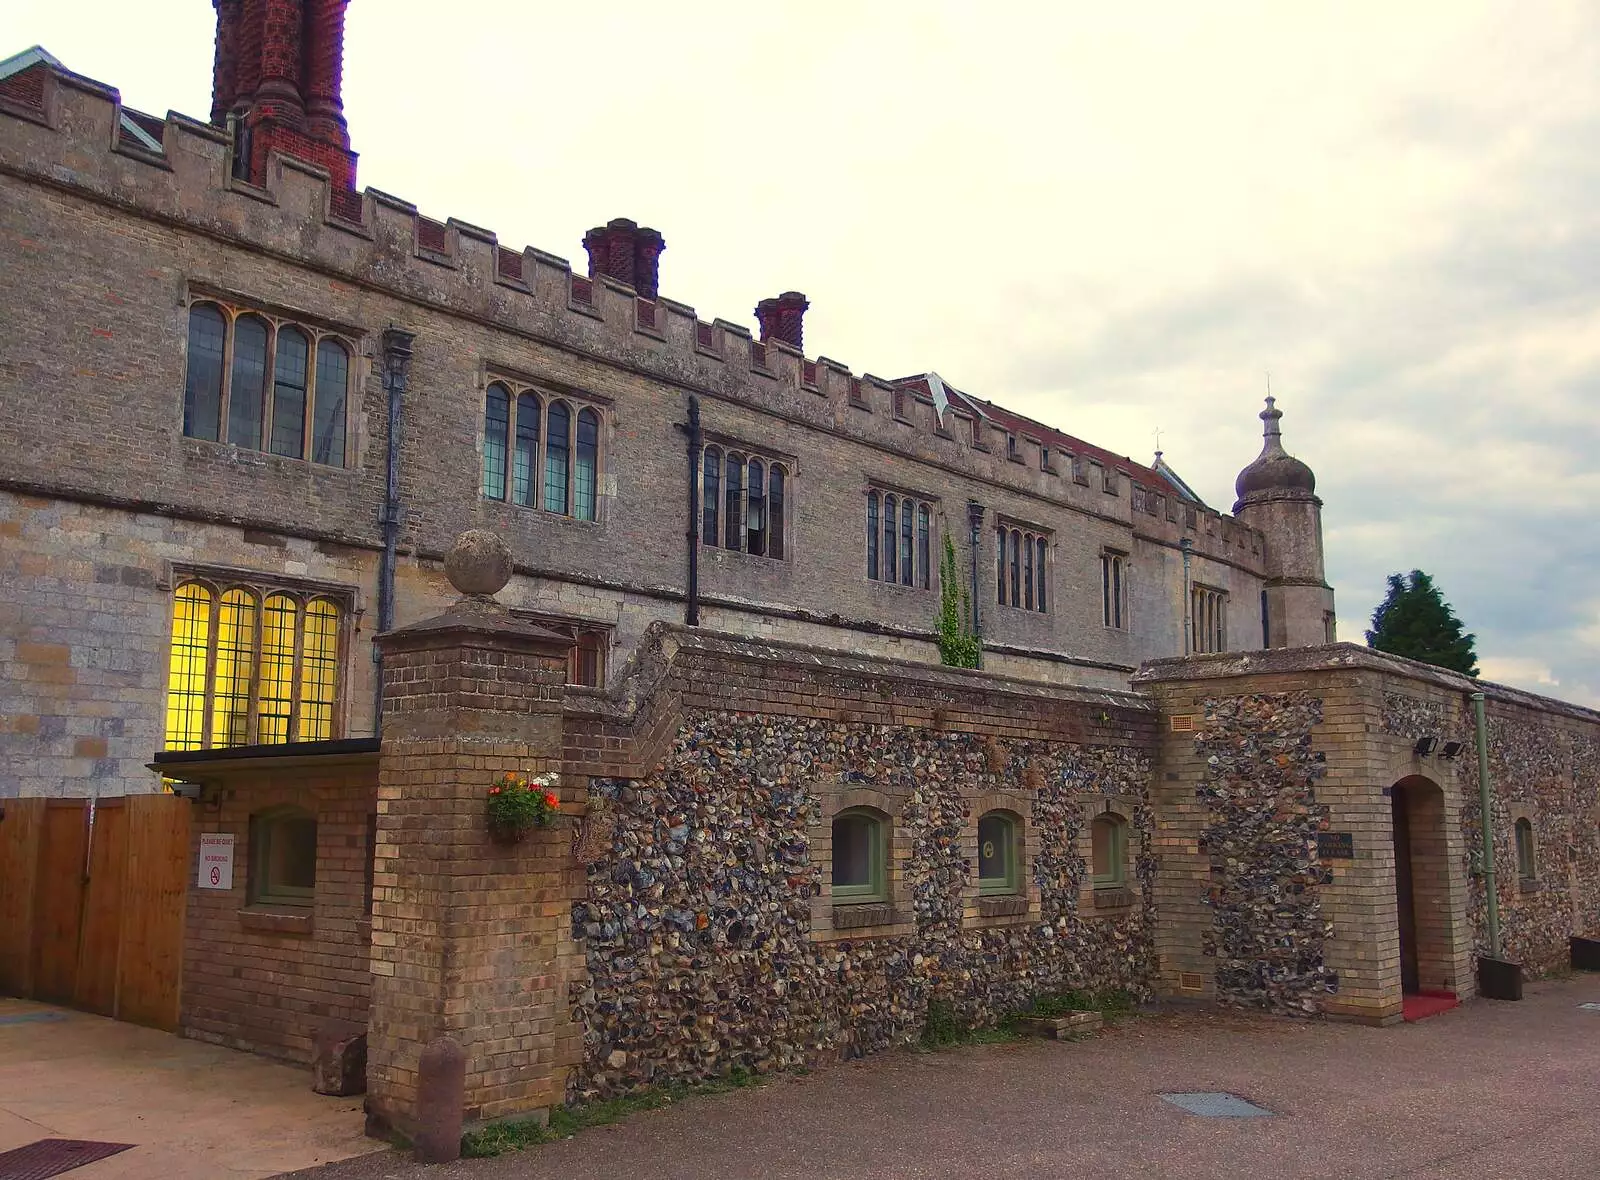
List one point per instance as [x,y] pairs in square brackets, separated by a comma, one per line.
[216,875]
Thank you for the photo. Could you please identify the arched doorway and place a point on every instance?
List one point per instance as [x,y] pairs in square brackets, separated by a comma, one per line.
[1421,882]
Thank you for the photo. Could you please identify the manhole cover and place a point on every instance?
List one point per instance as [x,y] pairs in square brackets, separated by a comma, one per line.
[1214,1104]
[51,1157]
[31,1017]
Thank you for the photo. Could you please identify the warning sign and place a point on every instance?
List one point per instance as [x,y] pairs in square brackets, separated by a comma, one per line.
[216,861]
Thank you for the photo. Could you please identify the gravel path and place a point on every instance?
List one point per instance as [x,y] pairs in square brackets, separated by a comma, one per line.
[1491,1091]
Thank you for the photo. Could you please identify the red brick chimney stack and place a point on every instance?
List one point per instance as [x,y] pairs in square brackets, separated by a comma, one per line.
[278,68]
[623,250]
[782,319]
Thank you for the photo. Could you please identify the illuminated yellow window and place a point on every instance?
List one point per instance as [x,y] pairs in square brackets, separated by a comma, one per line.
[251,666]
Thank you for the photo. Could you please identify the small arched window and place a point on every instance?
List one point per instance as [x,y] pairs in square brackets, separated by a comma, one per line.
[525,454]
[777,479]
[860,838]
[1027,573]
[907,562]
[1016,568]
[202,389]
[1527,863]
[587,466]
[891,519]
[557,458]
[283,857]
[279,622]
[192,607]
[1000,564]
[924,548]
[1038,570]
[496,425]
[756,509]
[998,859]
[711,496]
[872,535]
[247,385]
[290,372]
[234,673]
[733,523]
[333,390]
[1108,866]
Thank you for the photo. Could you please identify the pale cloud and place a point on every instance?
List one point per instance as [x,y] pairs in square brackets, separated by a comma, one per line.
[1111,217]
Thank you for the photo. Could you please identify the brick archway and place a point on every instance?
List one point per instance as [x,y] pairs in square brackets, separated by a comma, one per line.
[1422,886]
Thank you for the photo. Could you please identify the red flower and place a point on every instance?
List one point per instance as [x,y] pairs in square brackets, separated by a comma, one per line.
[494,790]
[551,801]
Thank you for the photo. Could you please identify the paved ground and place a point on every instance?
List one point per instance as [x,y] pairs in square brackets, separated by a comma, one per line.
[193,1110]
[1490,1091]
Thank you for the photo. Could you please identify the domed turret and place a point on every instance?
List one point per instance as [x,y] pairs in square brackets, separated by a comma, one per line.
[1274,470]
[1278,496]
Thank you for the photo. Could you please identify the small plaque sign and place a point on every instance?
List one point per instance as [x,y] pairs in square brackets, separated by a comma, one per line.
[1336,845]
[216,861]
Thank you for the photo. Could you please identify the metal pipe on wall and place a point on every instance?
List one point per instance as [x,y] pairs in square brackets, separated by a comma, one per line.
[396,363]
[691,614]
[1184,547]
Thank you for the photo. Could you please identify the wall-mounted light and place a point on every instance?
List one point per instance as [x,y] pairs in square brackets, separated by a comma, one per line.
[1424,746]
[1450,750]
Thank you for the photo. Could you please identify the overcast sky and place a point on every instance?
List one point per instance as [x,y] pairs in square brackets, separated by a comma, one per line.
[1112,217]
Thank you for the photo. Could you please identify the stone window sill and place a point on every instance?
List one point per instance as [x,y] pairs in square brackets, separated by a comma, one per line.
[1529,884]
[273,920]
[855,917]
[1007,906]
[1112,897]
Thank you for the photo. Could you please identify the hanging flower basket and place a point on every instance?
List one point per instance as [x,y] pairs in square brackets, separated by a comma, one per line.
[517,804]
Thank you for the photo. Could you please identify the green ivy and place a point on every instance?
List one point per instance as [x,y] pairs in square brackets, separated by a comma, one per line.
[958,646]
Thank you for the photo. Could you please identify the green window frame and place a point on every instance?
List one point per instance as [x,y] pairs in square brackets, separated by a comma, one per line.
[999,868]
[860,837]
[1527,862]
[1109,850]
[283,857]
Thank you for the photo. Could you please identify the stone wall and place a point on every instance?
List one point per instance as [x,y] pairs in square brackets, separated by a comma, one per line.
[268,979]
[706,928]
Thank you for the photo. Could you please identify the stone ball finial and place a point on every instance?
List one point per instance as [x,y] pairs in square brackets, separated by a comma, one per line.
[479,563]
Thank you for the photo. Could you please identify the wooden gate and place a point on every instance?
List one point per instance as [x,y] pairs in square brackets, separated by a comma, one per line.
[92,904]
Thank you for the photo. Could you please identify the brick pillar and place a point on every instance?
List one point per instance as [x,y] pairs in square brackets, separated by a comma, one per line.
[247,67]
[471,939]
[623,250]
[279,90]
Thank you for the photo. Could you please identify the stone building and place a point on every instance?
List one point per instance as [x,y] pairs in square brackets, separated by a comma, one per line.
[300,415]
[289,396]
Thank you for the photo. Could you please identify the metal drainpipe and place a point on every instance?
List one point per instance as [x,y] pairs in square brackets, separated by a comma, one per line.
[691,614]
[1184,546]
[1491,894]
[975,520]
[396,363]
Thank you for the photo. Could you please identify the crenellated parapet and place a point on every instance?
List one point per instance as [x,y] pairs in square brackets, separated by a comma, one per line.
[70,133]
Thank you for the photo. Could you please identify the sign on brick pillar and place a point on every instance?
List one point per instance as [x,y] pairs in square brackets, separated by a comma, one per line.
[471,938]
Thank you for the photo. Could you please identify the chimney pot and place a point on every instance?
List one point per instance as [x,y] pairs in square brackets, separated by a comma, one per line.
[782,318]
[624,250]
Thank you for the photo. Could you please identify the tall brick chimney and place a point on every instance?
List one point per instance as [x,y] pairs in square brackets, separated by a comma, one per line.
[782,318]
[278,70]
[625,251]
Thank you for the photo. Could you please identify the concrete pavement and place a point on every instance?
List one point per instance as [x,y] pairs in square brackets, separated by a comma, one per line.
[193,1111]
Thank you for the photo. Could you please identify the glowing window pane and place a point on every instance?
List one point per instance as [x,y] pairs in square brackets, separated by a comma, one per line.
[235,669]
[186,675]
[276,704]
[319,672]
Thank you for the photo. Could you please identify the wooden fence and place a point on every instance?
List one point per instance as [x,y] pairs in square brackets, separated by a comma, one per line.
[92,904]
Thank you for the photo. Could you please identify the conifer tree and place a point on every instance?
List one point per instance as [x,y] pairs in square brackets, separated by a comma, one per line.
[1416,622]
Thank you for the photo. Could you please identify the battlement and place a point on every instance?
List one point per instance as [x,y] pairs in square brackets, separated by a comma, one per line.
[72,134]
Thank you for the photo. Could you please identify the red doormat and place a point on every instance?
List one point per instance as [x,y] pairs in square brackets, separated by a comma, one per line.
[51,1157]
[1421,1005]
